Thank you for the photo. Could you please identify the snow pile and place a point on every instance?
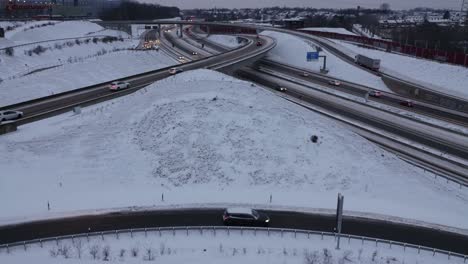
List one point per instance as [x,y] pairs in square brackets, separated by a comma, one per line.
[292,50]
[81,73]
[225,40]
[203,137]
[331,30]
[217,247]
[448,78]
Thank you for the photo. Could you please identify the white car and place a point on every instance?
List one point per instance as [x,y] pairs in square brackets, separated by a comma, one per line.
[10,115]
[334,82]
[174,71]
[115,86]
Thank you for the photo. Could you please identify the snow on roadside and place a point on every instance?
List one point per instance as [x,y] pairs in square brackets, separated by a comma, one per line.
[446,78]
[292,50]
[225,40]
[181,246]
[331,30]
[80,74]
[203,137]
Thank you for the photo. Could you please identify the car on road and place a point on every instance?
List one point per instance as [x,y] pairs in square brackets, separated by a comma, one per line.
[282,89]
[194,53]
[259,43]
[245,217]
[304,74]
[174,71]
[407,103]
[376,94]
[334,82]
[10,115]
[115,86]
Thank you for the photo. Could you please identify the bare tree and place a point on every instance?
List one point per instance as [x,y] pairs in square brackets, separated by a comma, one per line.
[78,245]
[94,251]
[64,250]
[327,257]
[162,249]
[311,257]
[122,253]
[385,6]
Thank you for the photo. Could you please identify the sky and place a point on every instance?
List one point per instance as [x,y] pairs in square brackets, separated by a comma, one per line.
[394,4]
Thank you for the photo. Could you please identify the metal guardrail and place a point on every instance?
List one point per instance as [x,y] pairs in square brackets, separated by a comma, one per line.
[242,230]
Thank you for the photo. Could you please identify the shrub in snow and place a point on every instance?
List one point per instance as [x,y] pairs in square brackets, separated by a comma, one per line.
[70,44]
[58,46]
[314,138]
[38,50]
[311,257]
[106,253]
[9,51]
[64,250]
[134,252]
[95,40]
[149,256]
[221,248]
[346,257]
[53,252]
[78,42]
[374,256]
[87,41]
[94,251]
[122,253]
[327,256]
[162,248]
[78,245]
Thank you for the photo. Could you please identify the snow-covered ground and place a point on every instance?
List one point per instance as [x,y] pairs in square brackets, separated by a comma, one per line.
[65,29]
[81,73]
[62,65]
[204,137]
[225,40]
[292,50]
[218,247]
[332,30]
[444,77]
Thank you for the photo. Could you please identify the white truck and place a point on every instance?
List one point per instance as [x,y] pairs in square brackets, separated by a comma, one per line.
[373,64]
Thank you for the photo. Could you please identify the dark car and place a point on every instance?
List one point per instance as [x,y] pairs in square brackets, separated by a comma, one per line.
[376,94]
[259,43]
[407,103]
[245,217]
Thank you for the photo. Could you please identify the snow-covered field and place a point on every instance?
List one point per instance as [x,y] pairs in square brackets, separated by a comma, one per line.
[444,77]
[81,73]
[292,50]
[332,30]
[203,137]
[218,247]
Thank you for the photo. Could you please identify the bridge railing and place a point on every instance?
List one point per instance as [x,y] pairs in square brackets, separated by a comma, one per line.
[228,230]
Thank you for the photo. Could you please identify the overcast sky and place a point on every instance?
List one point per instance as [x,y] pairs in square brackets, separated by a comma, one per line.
[395,4]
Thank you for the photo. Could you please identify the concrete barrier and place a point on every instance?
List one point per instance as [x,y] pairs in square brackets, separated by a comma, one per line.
[425,95]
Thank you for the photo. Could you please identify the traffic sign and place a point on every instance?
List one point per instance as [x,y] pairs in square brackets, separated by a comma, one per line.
[312,56]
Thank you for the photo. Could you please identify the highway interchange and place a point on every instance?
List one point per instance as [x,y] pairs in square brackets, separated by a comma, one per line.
[302,90]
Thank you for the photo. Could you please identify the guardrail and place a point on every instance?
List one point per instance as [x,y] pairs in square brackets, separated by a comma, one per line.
[185,230]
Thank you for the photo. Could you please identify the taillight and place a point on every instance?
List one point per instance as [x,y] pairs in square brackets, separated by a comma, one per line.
[225,217]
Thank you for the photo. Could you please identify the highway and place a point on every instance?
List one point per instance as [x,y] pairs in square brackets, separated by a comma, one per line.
[56,104]
[213,217]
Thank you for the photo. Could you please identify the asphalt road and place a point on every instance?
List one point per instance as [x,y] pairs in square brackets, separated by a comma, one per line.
[212,217]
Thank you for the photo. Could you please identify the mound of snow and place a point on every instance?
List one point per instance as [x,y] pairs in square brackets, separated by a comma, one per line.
[331,30]
[203,137]
[292,50]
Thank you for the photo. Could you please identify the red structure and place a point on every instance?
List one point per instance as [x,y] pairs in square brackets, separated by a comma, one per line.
[457,58]
[13,5]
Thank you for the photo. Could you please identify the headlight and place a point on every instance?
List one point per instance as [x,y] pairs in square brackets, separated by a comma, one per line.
[268,220]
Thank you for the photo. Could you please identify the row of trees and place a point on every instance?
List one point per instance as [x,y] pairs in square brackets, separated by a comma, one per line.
[131,10]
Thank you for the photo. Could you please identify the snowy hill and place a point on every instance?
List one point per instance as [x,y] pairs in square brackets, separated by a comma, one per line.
[292,50]
[204,137]
[331,30]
